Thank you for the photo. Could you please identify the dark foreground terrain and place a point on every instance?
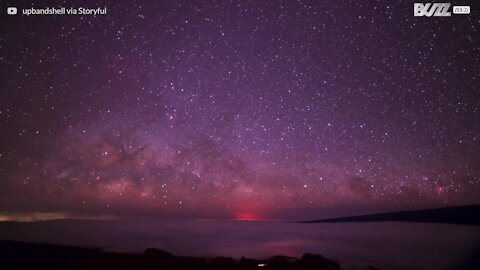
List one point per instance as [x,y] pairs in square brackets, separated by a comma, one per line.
[20,255]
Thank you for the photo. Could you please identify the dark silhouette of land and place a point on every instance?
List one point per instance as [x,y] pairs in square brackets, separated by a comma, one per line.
[21,255]
[464,215]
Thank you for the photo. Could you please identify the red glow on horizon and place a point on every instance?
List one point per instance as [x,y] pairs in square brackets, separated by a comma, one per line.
[247,216]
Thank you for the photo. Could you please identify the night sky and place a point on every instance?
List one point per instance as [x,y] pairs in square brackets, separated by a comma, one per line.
[238,109]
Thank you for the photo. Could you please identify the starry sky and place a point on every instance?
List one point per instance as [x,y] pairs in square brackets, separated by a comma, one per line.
[238,109]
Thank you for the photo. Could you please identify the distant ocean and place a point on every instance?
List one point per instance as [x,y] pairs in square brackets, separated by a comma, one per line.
[385,245]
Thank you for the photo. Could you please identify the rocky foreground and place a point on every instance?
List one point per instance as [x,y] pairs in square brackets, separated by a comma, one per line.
[20,255]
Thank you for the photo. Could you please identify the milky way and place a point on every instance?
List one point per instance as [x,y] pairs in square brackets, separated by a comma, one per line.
[242,109]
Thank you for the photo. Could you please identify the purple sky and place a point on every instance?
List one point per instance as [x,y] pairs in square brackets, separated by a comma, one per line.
[238,109]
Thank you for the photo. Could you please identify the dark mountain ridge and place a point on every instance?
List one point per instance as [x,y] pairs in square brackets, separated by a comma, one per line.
[464,215]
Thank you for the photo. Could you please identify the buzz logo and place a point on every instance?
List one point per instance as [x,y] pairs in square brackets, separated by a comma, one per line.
[431,9]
